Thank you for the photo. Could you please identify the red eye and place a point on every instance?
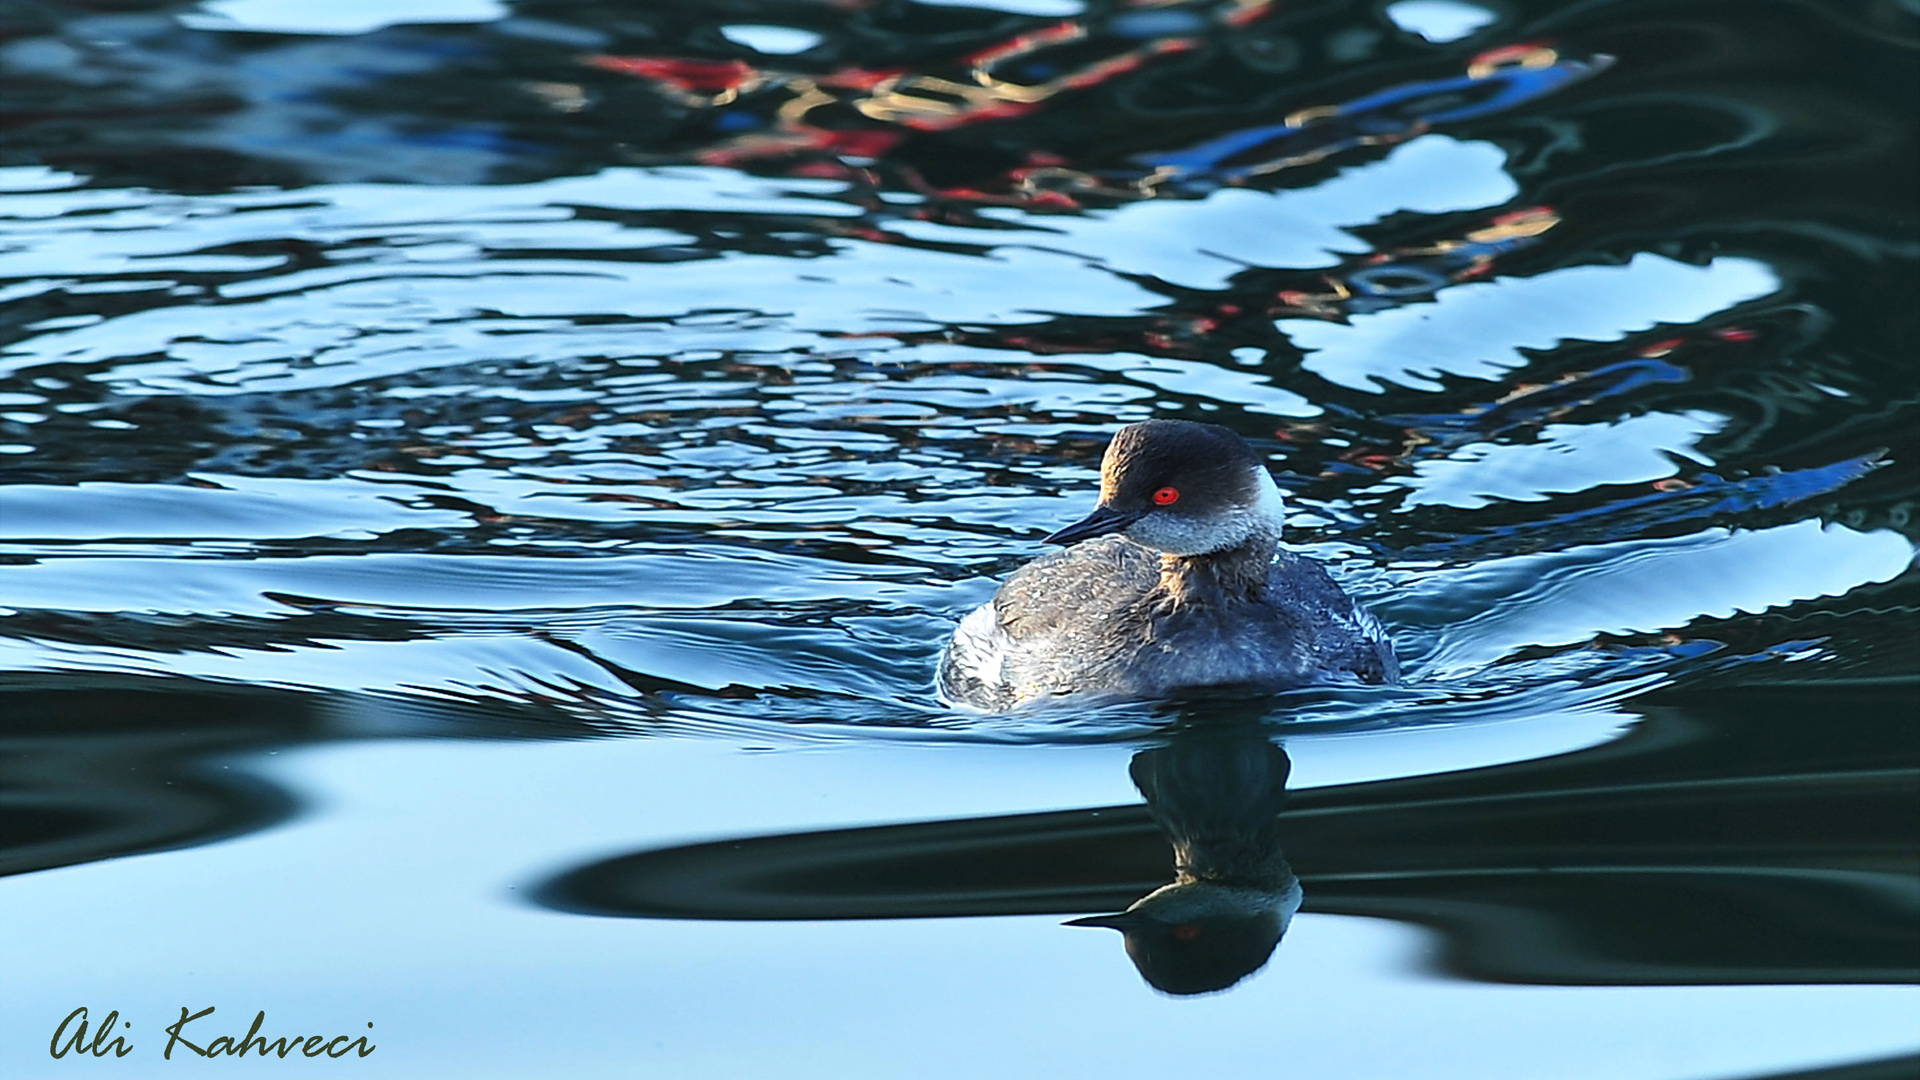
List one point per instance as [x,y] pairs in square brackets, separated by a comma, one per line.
[1186,932]
[1167,496]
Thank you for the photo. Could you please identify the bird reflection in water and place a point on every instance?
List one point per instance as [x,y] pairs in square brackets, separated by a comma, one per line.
[1216,795]
[1712,844]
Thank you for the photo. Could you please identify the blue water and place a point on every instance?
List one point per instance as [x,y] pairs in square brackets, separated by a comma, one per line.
[451,471]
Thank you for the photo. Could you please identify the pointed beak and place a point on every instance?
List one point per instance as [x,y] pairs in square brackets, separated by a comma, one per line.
[1099,523]
[1121,922]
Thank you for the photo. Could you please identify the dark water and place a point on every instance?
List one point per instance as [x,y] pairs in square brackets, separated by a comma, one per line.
[480,502]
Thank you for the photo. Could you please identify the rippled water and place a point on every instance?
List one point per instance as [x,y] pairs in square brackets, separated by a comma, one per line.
[443,449]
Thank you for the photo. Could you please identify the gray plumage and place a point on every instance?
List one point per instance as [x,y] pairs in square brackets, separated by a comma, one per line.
[1113,616]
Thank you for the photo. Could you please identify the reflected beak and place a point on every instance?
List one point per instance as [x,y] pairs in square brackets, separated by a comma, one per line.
[1099,523]
[1122,922]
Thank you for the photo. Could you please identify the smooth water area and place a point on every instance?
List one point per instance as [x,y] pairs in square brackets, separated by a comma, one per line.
[482,497]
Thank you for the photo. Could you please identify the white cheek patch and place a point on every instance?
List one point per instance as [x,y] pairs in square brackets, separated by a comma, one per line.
[1269,507]
[1182,534]
[1179,535]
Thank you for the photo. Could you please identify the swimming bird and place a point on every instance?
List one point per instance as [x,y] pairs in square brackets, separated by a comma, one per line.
[1175,582]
